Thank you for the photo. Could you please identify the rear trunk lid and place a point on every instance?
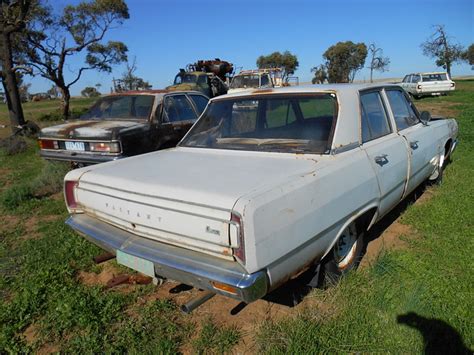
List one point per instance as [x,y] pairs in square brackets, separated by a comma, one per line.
[90,129]
[183,196]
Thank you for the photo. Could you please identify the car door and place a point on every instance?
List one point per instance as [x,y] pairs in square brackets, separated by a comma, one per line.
[177,117]
[418,137]
[385,149]
[406,82]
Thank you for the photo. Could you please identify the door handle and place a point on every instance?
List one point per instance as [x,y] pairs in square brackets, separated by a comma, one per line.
[381,159]
[414,145]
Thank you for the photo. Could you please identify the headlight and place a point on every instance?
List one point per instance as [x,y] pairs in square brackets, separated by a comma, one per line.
[105,147]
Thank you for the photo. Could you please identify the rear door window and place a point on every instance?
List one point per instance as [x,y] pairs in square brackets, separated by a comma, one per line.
[374,120]
[200,102]
[403,113]
[178,108]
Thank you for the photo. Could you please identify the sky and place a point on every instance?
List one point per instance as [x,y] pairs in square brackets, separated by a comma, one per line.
[165,35]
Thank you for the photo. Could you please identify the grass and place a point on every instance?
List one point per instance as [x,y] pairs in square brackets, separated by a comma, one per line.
[44,113]
[409,299]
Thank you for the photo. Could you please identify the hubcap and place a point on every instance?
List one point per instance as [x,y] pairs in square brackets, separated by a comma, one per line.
[344,249]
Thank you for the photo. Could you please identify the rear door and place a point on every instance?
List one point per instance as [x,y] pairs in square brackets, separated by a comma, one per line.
[178,116]
[418,137]
[385,149]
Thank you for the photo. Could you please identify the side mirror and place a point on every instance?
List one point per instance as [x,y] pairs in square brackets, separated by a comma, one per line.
[425,117]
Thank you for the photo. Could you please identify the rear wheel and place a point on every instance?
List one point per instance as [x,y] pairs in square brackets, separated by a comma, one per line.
[345,255]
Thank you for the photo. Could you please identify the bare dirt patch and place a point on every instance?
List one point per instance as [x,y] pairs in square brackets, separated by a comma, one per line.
[31,333]
[107,273]
[389,240]
[31,225]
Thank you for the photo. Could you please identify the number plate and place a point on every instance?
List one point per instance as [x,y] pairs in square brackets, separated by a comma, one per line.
[138,264]
[75,146]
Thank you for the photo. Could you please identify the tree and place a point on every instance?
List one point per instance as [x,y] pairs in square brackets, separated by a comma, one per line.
[53,39]
[287,61]
[13,17]
[440,46]
[90,91]
[53,92]
[320,74]
[129,81]
[377,61]
[468,55]
[344,60]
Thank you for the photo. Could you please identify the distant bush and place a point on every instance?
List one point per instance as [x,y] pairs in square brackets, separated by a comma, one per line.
[50,181]
[58,116]
[47,183]
[13,145]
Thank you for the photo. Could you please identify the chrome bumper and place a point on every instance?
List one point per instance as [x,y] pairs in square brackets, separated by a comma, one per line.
[77,157]
[186,266]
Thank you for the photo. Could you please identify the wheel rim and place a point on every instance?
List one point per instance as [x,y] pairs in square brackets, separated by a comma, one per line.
[345,247]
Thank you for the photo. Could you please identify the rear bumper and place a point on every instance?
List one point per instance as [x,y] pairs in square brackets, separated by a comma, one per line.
[78,157]
[186,266]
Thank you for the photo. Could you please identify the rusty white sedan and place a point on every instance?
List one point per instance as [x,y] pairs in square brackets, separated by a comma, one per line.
[266,184]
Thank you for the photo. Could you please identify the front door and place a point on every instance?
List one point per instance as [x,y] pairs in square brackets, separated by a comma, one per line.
[422,151]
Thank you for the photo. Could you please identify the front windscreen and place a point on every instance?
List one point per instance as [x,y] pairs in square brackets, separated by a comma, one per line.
[275,123]
[245,81]
[121,107]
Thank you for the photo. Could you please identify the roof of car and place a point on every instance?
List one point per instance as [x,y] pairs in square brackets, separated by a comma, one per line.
[428,73]
[154,92]
[337,88]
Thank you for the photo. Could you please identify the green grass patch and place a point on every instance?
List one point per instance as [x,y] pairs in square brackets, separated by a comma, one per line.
[215,339]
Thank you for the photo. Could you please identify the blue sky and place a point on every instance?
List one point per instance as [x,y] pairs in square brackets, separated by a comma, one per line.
[166,35]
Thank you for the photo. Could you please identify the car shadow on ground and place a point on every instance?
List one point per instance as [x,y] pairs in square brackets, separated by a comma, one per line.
[295,290]
[438,336]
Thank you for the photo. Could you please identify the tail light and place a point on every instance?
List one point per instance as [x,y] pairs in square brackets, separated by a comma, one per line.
[452,85]
[239,252]
[418,87]
[48,144]
[106,147]
[69,193]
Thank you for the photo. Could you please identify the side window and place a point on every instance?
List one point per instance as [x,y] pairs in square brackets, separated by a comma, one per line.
[178,108]
[403,113]
[264,81]
[374,121]
[415,79]
[200,102]
[407,78]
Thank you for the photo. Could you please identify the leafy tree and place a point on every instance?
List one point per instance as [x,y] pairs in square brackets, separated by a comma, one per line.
[440,46]
[287,61]
[90,91]
[344,60]
[52,39]
[130,81]
[468,55]
[13,18]
[377,60]
[320,74]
